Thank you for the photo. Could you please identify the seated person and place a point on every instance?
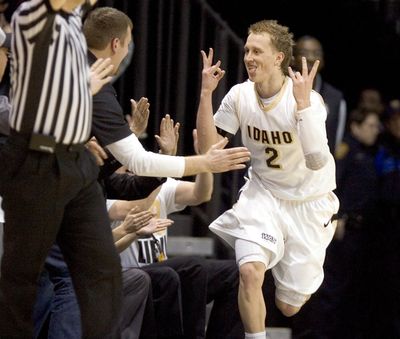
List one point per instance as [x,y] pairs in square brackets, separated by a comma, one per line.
[201,280]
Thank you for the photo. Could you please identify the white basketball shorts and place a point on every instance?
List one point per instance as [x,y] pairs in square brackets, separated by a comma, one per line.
[295,233]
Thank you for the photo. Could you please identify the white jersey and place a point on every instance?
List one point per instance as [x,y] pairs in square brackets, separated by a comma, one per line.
[144,251]
[270,132]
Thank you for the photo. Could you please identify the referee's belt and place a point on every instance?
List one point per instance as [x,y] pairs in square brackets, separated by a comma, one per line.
[43,143]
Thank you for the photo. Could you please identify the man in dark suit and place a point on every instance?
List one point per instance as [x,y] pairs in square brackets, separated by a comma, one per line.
[311,48]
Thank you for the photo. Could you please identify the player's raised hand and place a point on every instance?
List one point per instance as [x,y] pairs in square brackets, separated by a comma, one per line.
[303,83]
[223,160]
[211,74]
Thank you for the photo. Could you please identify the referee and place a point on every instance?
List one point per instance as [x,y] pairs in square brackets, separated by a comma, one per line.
[48,178]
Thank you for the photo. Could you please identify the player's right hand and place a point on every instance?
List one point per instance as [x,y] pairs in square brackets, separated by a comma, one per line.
[211,74]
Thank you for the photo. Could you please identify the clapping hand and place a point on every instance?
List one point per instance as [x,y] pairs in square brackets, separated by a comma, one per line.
[169,136]
[100,74]
[139,117]
[136,220]
[154,226]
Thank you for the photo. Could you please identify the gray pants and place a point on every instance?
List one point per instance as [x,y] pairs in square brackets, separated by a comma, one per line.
[136,285]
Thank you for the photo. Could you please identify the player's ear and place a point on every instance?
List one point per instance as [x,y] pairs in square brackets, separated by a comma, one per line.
[280,56]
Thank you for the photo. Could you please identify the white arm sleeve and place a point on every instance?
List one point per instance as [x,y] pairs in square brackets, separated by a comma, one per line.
[312,134]
[130,152]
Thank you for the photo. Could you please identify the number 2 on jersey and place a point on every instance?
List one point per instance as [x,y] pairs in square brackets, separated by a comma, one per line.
[272,155]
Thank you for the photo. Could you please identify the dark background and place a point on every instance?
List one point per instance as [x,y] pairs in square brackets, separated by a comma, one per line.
[361,38]
[362,47]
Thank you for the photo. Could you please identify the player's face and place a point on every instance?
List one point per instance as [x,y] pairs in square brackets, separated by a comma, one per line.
[259,57]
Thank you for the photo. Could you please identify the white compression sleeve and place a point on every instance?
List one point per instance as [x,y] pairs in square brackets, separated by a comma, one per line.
[312,134]
[130,152]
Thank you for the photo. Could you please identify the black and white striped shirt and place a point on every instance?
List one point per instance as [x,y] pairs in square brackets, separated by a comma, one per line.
[54,85]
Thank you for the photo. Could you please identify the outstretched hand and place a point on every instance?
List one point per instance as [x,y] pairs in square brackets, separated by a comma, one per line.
[223,160]
[303,83]
[139,117]
[136,220]
[211,74]
[154,226]
[100,74]
[169,136]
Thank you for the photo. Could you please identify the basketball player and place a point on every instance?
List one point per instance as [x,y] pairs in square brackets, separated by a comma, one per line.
[282,220]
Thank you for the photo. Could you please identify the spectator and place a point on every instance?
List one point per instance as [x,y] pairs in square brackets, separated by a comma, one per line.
[311,48]
[200,280]
[342,302]
[371,99]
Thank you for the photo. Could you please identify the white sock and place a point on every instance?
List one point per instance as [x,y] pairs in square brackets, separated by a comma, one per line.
[258,335]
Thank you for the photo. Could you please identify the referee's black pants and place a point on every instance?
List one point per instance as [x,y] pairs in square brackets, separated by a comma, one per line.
[48,198]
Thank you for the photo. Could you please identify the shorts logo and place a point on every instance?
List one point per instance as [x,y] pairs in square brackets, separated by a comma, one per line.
[268,237]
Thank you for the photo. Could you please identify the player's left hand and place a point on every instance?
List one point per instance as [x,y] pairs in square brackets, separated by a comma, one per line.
[303,83]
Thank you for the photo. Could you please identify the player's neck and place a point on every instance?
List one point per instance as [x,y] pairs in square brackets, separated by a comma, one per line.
[270,87]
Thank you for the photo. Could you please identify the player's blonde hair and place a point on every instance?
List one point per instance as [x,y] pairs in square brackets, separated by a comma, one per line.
[281,39]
